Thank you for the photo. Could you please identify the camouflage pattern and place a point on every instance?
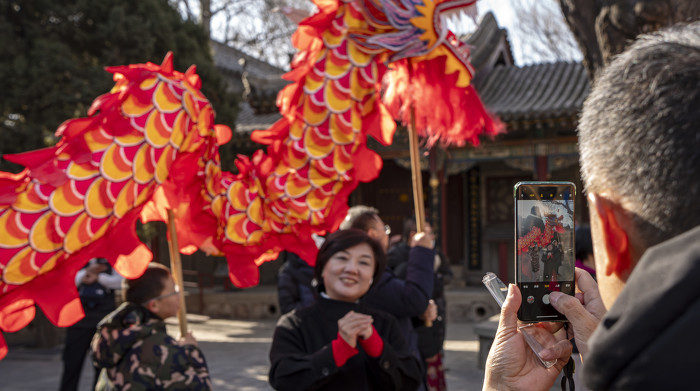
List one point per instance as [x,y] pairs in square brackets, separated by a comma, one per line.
[136,353]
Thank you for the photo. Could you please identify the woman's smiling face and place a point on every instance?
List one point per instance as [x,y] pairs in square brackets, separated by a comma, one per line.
[347,275]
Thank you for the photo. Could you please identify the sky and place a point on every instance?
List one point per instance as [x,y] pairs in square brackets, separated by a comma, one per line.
[503,11]
[506,17]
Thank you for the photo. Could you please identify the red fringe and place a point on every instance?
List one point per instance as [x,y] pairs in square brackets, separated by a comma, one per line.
[464,119]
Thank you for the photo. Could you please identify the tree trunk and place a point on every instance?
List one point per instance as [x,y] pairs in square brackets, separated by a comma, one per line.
[580,15]
[604,28]
[206,16]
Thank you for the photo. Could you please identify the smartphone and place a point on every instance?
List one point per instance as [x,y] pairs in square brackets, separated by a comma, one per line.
[544,250]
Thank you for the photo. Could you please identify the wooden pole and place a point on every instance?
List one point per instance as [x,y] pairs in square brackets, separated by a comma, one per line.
[416,175]
[176,271]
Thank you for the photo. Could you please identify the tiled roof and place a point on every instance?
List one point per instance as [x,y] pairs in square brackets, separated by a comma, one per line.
[537,91]
[531,93]
[485,40]
[247,121]
[262,81]
[227,58]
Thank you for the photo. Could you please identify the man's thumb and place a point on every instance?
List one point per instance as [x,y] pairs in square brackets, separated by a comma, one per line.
[568,305]
[509,312]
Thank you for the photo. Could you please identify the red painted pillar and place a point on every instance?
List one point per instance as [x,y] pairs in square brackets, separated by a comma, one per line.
[542,167]
[541,162]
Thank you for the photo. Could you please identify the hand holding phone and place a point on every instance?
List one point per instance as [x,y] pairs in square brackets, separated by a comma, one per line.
[499,291]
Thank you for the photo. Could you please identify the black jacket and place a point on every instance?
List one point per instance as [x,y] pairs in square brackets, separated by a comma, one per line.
[429,339]
[301,356]
[408,297]
[294,288]
[649,338]
[97,300]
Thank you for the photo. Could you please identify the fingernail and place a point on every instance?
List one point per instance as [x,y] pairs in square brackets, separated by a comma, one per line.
[510,289]
[545,353]
[554,297]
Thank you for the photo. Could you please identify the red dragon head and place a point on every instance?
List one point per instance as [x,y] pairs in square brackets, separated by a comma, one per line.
[426,66]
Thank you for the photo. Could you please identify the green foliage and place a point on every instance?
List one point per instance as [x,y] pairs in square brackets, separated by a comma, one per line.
[53,54]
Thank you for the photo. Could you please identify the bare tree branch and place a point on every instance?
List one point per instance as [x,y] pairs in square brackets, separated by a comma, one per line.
[604,28]
[184,4]
[544,32]
[252,26]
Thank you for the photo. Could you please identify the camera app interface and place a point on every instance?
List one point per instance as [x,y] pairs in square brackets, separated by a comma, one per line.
[545,247]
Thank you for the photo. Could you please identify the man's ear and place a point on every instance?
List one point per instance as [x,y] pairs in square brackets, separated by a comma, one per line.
[372,233]
[612,221]
[152,306]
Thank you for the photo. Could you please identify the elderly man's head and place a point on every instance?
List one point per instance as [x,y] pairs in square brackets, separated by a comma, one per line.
[366,218]
[639,143]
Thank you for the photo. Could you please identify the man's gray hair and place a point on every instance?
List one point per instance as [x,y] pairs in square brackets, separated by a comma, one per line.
[639,133]
[360,217]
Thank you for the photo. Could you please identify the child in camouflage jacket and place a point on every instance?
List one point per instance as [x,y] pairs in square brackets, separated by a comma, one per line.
[133,349]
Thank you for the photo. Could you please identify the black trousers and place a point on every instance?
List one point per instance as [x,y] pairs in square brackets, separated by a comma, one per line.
[74,352]
[551,268]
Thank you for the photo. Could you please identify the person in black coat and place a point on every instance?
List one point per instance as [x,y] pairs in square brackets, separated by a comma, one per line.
[405,298]
[430,339]
[294,288]
[338,343]
[96,283]
[552,260]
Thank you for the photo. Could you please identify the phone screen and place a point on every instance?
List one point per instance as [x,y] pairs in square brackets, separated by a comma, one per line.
[544,251]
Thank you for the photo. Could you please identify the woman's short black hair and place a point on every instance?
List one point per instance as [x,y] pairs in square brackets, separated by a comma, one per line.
[342,240]
[151,284]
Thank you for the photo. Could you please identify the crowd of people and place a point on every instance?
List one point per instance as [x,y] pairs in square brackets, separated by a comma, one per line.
[372,317]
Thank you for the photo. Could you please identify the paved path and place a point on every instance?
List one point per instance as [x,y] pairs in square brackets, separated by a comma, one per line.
[237,355]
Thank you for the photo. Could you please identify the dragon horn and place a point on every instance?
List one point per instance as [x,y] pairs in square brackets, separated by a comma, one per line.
[167,65]
[192,77]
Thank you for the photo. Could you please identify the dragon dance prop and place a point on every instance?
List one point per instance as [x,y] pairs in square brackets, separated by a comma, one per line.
[533,241]
[150,146]
[351,51]
[537,238]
